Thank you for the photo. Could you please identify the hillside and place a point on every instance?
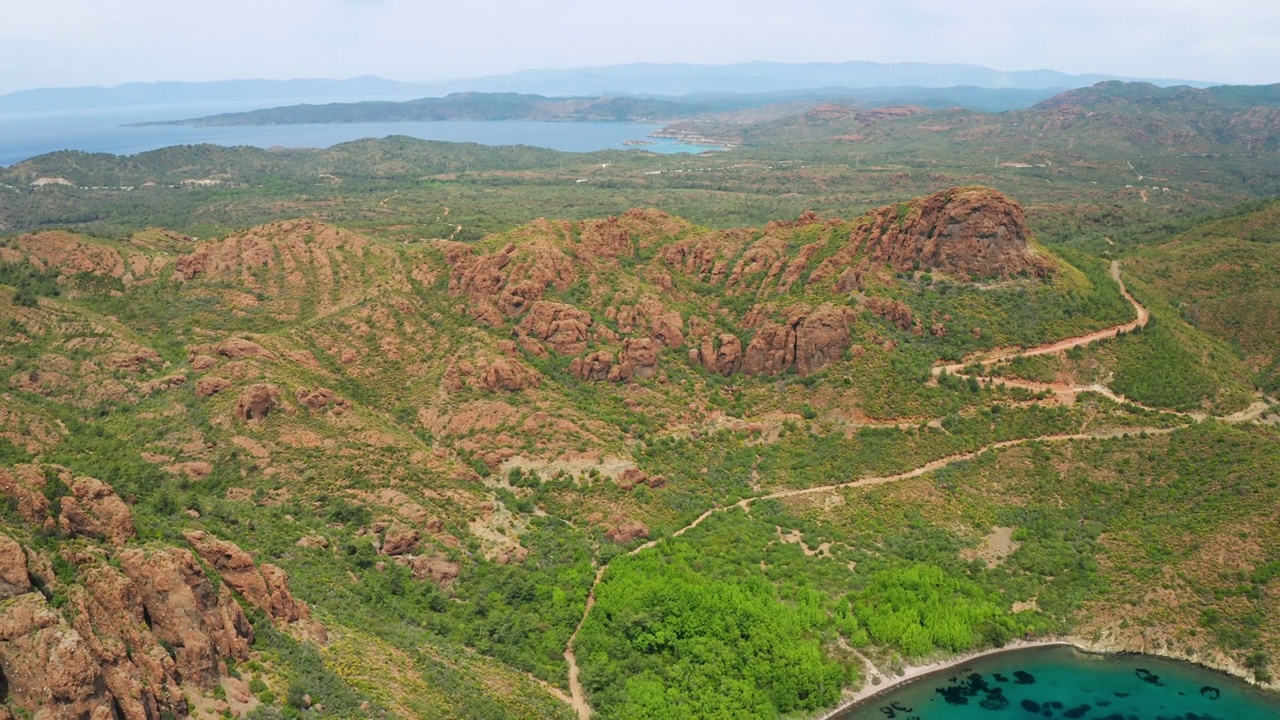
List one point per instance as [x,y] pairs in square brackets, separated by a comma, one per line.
[302,470]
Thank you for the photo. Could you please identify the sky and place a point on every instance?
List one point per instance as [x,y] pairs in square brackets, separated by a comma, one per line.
[58,43]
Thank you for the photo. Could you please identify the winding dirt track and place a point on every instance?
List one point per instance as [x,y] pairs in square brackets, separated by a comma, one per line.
[579,699]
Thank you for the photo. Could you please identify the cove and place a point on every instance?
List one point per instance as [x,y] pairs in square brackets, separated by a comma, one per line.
[1067,684]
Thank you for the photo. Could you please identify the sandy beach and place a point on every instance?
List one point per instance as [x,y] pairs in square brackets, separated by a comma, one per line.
[911,673]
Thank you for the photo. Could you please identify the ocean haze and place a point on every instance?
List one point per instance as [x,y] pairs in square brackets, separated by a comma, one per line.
[670,79]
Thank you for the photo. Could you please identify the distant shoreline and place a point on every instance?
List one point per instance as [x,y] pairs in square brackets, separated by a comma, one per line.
[915,673]
[864,696]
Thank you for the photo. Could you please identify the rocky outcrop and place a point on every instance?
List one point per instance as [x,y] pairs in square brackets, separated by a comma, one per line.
[508,281]
[562,328]
[212,385]
[266,588]
[321,398]
[237,348]
[400,540]
[638,359]
[257,402]
[724,360]
[593,367]
[24,485]
[47,666]
[967,232]
[94,510]
[490,375]
[14,580]
[808,341]
[182,608]
[433,568]
[623,531]
[895,312]
[142,678]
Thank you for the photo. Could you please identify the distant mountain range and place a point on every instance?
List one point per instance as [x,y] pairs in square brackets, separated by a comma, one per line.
[672,79]
[484,106]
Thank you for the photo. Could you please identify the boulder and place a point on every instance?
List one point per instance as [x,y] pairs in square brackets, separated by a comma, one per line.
[256,402]
[211,385]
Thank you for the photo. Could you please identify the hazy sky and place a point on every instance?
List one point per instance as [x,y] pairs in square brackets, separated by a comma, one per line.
[91,42]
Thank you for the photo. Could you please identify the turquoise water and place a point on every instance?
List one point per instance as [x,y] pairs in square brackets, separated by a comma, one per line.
[1062,683]
[23,137]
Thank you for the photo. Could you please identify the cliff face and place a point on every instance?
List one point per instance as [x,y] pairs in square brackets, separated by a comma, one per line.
[141,626]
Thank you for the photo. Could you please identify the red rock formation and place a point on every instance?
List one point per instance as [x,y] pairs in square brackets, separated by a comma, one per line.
[14,580]
[436,569]
[93,509]
[320,398]
[639,359]
[211,385]
[400,540]
[257,402]
[139,673]
[47,665]
[490,375]
[183,609]
[265,588]
[808,341]
[592,367]
[623,531]
[236,348]
[968,232]
[893,311]
[25,485]
[563,328]
[724,360]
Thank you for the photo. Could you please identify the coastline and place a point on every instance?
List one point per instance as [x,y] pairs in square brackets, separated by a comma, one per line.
[914,673]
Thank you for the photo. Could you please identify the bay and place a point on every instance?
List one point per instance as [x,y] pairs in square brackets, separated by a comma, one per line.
[26,136]
[1063,683]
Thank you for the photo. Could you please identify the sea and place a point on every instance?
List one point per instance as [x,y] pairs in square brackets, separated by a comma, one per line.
[1065,684]
[23,136]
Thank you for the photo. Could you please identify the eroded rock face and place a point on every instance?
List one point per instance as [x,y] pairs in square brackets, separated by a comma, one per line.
[593,367]
[563,328]
[724,359]
[25,485]
[640,358]
[183,609]
[47,664]
[808,341]
[237,348]
[400,540]
[94,510]
[14,580]
[623,531]
[257,402]
[139,673]
[265,588]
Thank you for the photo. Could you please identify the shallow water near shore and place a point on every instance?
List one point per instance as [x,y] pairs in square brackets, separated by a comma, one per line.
[1064,683]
